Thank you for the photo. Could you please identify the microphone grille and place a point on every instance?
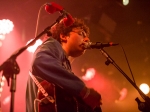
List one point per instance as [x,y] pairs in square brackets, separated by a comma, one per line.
[53,7]
[68,20]
[87,45]
[49,8]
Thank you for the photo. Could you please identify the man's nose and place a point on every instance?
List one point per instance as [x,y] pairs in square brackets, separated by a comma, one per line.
[86,39]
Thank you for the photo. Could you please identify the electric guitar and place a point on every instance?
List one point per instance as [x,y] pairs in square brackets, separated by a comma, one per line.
[65,102]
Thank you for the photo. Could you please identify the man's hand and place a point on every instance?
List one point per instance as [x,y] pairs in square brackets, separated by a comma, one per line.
[91,97]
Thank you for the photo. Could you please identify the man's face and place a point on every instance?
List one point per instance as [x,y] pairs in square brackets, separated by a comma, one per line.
[75,42]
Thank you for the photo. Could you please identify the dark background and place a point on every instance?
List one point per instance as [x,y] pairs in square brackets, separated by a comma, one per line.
[109,21]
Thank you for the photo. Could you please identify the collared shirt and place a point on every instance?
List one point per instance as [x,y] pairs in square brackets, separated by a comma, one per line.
[51,64]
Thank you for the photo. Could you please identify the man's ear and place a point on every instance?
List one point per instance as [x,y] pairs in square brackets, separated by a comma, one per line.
[63,38]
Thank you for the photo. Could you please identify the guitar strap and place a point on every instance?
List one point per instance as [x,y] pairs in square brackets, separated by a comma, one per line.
[47,98]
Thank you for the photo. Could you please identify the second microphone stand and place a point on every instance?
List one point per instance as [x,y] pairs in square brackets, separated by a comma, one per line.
[142,106]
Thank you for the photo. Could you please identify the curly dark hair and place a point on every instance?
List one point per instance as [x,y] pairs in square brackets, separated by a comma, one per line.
[60,28]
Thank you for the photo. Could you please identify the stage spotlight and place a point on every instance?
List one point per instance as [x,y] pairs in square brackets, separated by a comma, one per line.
[6,100]
[90,73]
[2,37]
[6,26]
[123,94]
[0,43]
[33,47]
[2,83]
[123,2]
[144,88]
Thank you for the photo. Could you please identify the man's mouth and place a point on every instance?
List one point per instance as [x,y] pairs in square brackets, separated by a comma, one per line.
[83,46]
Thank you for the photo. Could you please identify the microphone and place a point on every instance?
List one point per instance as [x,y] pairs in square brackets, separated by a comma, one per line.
[68,20]
[98,45]
[53,7]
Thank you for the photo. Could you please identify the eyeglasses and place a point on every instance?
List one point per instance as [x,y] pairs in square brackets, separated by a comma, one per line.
[81,33]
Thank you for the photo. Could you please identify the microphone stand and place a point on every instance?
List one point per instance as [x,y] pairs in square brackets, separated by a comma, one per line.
[10,67]
[142,106]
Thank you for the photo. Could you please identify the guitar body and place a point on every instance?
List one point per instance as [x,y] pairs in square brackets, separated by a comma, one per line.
[46,107]
[65,102]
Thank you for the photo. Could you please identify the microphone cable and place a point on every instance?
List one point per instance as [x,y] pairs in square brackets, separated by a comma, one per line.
[128,64]
[36,31]
[38,18]
[131,71]
[143,106]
